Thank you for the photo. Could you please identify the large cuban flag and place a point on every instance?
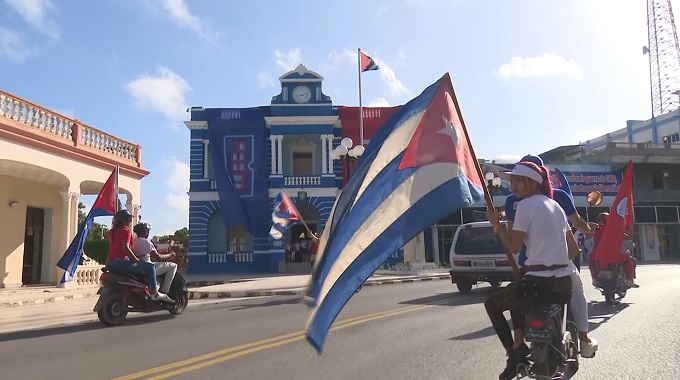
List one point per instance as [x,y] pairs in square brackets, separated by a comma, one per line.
[418,168]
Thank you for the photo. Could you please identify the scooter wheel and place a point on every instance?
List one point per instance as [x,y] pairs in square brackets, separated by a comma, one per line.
[114,311]
[180,304]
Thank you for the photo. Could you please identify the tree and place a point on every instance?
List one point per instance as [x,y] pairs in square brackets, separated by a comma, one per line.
[81,213]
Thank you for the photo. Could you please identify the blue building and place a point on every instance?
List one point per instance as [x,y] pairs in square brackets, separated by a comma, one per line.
[251,154]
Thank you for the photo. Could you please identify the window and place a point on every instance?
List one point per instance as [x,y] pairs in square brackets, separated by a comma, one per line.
[645,215]
[208,171]
[672,138]
[667,214]
[303,163]
[657,181]
[239,240]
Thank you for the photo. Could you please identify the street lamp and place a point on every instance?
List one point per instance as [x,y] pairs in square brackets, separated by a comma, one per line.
[493,182]
[346,152]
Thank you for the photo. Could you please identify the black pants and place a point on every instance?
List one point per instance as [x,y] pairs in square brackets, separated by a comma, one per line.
[505,300]
[551,290]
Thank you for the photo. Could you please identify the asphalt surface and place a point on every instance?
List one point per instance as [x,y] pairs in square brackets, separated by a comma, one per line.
[423,330]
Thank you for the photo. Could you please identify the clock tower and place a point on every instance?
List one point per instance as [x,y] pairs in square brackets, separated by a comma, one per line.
[301,95]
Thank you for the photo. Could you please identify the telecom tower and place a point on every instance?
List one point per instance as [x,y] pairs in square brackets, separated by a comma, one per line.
[664,58]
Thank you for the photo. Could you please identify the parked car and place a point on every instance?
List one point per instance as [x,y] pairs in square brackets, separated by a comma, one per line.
[477,256]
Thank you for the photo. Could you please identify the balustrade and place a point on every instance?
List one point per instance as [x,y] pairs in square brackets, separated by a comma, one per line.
[69,131]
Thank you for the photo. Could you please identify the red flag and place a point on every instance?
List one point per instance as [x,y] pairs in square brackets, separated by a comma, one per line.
[106,200]
[608,248]
[367,63]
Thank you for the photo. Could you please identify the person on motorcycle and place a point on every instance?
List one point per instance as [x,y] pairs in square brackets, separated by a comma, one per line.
[624,257]
[498,303]
[144,249]
[120,256]
[541,225]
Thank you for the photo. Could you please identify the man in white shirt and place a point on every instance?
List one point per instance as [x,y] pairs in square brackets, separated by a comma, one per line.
[143,248]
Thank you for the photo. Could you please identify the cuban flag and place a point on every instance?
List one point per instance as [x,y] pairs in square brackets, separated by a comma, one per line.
[285,215]
[418,168]
[367,63]
[104,205]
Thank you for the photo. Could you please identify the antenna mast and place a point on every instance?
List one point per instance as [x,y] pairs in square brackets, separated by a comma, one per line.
[664,57]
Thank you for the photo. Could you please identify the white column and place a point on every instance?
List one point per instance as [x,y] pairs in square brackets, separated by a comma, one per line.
[273,155]
[330,149]
[324,159]
[435,242]
[280,154]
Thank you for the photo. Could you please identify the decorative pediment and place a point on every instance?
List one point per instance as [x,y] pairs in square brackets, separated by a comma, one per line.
[302,144]
[300,74]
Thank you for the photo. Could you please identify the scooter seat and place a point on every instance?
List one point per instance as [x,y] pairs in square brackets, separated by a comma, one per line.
[136,276]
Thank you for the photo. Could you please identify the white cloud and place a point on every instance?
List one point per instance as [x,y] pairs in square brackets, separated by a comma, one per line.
[341,58]
[35,12]
[289,60]
[180,14]
[284,61]
[379,102]
[534,67]
[396,87]
[12,47]
[177,181]
[163,93]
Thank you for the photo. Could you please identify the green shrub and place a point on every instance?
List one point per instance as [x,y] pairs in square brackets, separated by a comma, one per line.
[97,249]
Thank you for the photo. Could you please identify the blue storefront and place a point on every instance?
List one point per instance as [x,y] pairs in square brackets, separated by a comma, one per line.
[240,158]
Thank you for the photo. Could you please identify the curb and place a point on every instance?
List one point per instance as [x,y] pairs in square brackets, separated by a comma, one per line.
[298,291]
[44,300]
[193,294]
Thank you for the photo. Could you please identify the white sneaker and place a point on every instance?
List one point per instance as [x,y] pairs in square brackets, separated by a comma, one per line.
[588,349]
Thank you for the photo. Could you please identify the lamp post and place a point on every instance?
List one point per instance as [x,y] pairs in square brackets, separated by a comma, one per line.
[347,152]
[493,182]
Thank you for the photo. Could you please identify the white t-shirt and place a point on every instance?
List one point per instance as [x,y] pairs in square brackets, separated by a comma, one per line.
[142,248]
[546,226]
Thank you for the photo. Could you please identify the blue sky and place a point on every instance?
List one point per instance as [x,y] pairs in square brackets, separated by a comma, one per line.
[530,75]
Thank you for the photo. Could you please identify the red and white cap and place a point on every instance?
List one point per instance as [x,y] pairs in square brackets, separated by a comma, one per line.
[523,171]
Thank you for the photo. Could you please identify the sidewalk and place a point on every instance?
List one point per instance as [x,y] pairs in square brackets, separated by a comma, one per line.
[214,286]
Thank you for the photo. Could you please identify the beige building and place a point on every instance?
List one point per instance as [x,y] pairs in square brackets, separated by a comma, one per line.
[47,161]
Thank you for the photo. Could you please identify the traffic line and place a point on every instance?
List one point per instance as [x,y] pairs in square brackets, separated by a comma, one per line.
[209,359]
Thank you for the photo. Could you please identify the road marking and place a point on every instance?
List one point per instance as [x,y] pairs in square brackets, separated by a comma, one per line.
[206,360]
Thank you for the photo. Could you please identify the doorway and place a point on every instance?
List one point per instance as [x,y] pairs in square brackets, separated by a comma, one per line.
[33,245]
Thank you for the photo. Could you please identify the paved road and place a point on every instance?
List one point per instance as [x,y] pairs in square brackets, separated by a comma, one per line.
[404,331]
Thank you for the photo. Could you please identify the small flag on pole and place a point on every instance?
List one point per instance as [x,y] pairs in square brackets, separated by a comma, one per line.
[285,215]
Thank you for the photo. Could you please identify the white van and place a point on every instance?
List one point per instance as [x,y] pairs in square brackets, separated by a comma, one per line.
[477,256]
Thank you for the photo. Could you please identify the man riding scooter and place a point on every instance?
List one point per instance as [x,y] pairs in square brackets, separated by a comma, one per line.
[143,248]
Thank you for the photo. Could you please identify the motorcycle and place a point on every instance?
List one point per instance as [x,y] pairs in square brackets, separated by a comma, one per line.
[612,282]
[552,335]
[123,292]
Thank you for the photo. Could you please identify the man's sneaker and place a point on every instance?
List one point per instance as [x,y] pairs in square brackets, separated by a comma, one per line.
[588,349]
[515,357]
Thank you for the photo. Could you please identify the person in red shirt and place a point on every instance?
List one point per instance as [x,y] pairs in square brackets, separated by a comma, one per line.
[315,247]
[120,256]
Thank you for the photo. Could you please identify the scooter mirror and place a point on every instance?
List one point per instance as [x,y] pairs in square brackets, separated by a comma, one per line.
[594,198]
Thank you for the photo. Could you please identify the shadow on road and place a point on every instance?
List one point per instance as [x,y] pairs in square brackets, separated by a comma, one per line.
[289,301]
[454,298]
[602,312]
[82,327]
[483,333]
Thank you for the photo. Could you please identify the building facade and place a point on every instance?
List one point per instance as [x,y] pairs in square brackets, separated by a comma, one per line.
[46,162]
[253,154]
[654,147]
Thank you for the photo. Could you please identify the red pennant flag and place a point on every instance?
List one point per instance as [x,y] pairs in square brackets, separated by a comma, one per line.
[608,248]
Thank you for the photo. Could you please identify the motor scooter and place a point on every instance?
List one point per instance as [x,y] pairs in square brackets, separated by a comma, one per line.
[123,292]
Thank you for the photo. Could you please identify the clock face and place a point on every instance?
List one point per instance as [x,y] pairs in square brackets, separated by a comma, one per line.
[302,94]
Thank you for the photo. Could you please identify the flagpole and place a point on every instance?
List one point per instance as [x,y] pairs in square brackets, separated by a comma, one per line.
[487,194]
[361,109]
[117,189]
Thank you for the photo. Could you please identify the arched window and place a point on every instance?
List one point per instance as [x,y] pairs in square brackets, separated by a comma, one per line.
[239,240]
